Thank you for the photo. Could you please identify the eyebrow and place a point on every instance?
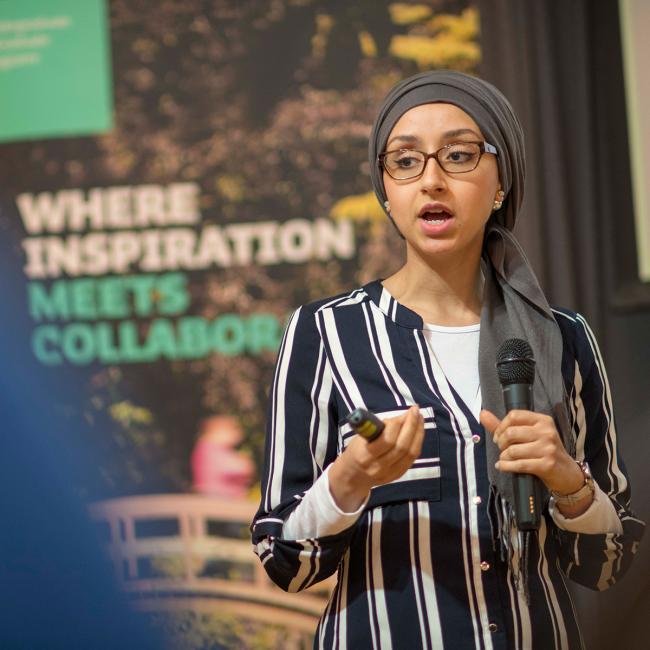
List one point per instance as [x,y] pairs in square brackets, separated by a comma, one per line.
[411,139]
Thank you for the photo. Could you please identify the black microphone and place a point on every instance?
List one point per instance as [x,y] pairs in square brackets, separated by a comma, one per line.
[516,370]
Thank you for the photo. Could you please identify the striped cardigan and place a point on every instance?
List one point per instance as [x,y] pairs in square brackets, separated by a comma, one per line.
[419,568]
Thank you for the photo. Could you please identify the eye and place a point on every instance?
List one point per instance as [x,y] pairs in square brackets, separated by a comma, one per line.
[460,153]
[404,159]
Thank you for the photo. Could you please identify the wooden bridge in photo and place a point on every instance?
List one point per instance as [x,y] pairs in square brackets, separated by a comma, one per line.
[190,551]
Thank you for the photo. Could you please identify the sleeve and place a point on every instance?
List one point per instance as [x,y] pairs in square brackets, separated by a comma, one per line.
[301,440]
[600,516]
[318,515]
[598,560]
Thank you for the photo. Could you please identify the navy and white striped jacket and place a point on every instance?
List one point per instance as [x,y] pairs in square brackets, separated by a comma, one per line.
[418,569]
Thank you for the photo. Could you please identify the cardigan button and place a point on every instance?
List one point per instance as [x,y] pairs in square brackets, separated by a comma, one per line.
[476,439]
[493,627]
[477,500]
[484,566]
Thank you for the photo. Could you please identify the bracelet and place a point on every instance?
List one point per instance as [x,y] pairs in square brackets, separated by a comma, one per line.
[574,497]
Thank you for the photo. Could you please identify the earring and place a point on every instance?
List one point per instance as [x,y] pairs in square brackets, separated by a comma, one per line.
[498,201]
[387,206]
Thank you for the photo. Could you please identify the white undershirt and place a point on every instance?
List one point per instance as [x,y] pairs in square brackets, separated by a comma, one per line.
[456,349]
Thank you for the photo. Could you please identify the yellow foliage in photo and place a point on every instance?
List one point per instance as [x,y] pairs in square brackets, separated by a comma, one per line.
[367,44]
[440,52]
[358,207]
[230,187]
[453,43]
[404,14]
[464,27]
[324,24]
[127,413]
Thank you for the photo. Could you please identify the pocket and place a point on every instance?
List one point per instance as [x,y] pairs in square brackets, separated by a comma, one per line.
[422,480]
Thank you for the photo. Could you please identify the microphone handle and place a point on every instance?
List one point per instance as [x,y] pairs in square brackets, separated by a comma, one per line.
[527,487]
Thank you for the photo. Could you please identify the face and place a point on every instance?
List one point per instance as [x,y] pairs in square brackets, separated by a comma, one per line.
[441,214]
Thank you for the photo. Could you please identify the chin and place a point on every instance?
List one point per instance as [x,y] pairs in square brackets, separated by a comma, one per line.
[434,248]
[447,248]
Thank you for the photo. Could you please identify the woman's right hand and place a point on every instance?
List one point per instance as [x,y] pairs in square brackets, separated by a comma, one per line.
[365,464]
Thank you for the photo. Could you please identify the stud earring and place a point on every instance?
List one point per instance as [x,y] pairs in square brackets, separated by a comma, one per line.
[387,206]
[498,201]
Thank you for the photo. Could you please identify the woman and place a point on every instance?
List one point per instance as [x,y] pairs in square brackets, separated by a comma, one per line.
[418,523]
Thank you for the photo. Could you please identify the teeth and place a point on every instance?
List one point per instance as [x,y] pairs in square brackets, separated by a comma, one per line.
[437,217]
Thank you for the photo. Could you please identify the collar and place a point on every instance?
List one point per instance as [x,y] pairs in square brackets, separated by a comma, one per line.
[392,309]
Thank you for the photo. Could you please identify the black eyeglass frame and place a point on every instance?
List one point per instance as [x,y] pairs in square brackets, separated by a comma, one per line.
[484,147]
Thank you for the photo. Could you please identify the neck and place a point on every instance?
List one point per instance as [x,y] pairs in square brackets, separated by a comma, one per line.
[443,292]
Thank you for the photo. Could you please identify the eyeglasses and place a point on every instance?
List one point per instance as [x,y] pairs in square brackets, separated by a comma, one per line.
[454,158]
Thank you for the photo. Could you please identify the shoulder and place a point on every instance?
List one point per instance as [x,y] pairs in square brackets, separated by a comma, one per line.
[305,322]
[332,303]
[568,322]
[573,326]
[578,339]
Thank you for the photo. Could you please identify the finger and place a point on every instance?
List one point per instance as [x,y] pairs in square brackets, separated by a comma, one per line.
[516,418]
[409,430]
[489,420]
[418,438]
[386,440]
[521,417]
[393,464]
[523,451]
[515,436]
[534,466]
[406,435]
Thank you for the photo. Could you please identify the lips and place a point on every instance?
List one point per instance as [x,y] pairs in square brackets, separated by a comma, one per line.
[435,219]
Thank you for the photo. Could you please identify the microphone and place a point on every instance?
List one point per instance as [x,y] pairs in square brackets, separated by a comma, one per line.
[516,370]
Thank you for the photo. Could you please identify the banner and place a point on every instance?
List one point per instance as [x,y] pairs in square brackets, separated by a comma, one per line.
[164,241]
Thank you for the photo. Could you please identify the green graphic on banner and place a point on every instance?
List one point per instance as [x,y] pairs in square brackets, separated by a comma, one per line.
[55,78]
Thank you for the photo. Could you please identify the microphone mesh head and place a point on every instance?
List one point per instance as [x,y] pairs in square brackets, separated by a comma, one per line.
[515,362]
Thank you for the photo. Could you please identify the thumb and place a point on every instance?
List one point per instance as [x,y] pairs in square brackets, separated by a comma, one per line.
[489,420]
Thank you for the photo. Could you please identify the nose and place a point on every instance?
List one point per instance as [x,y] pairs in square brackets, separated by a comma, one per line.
[433,177]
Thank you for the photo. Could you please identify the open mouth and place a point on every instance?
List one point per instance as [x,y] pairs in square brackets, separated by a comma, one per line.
[439,216]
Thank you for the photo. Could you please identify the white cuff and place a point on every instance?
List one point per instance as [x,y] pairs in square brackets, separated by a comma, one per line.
[600,517]
[317,515]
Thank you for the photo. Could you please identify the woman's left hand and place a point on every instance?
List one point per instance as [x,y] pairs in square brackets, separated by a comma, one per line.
[530,444]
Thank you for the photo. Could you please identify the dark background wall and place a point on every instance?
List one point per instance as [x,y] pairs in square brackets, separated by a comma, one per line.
[561,65]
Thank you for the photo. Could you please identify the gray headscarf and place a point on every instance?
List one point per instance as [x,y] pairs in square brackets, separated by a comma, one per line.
[514,305]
